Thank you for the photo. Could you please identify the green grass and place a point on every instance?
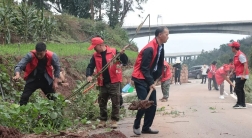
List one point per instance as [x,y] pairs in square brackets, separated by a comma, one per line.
[248,89]
[62,50]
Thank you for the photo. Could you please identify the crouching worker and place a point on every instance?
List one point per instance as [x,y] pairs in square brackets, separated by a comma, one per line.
[109,81]
[221,75]
[38,72]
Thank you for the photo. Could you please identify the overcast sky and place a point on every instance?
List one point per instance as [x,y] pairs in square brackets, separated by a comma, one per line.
[192,11]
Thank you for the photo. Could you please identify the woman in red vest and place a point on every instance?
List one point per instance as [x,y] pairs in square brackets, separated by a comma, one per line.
[148,68]
[166,81]
[108,81]
[241,72]
[221,75]
[38,72]
[211,76]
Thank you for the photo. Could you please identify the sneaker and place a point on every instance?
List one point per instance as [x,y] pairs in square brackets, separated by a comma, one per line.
[222,97]
[237,106]
[136,131]
[113,124]
[243,106]
[164,100]
[101,124]
[161,98]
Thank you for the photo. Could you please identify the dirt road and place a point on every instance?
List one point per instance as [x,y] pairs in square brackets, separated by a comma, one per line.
[194,112]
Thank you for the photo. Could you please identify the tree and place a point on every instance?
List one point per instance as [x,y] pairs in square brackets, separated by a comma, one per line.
[78,8]
[118,9]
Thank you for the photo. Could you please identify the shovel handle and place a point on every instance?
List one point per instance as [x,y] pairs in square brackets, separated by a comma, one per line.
[148,96]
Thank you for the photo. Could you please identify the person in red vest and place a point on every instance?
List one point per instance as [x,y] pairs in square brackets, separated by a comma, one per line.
[109,81]
[147,69]
[231,74]
[38,72]
[166,81]
[121,98]
[221,75]
[241,72]
[211,76]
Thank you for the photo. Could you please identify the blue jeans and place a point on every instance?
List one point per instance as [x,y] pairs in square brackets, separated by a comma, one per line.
[150,112]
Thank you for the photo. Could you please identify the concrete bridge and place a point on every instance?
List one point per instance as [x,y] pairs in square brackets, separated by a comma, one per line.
[171,57]
[232,27]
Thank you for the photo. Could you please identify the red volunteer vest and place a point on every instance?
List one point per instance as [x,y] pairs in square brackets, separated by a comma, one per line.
[136,71]
[34,62]
[166,74]
[115,70]
[239,67]
[212,69]
[218,75]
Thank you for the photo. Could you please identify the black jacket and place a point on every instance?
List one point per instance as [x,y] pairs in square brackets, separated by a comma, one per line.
[147,71]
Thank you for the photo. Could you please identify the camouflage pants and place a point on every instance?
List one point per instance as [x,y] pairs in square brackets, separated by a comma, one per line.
[112,91]
[165,86]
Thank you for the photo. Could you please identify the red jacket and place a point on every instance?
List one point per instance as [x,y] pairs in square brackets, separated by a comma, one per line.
[166,74]
[136,71]
[239,67]
[114,69]
[34,62]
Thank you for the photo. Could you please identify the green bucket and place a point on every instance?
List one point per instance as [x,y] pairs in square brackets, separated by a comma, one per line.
[131,89]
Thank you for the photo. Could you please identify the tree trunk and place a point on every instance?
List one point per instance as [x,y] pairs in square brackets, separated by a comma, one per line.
[100,8]
[92,9]
[111,12]
[126,8]
[29,2]
[117,6]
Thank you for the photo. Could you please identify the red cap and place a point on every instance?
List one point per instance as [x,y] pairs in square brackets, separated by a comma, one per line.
[95,41]
[234,44]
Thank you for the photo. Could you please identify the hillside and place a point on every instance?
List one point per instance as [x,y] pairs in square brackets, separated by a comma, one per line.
[21,27]
[68,36]
[27,24]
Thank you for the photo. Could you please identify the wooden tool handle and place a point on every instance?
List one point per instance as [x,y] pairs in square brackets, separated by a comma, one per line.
[148,96]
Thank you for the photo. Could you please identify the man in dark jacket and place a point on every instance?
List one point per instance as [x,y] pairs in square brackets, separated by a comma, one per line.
[148,68]
[38,72]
